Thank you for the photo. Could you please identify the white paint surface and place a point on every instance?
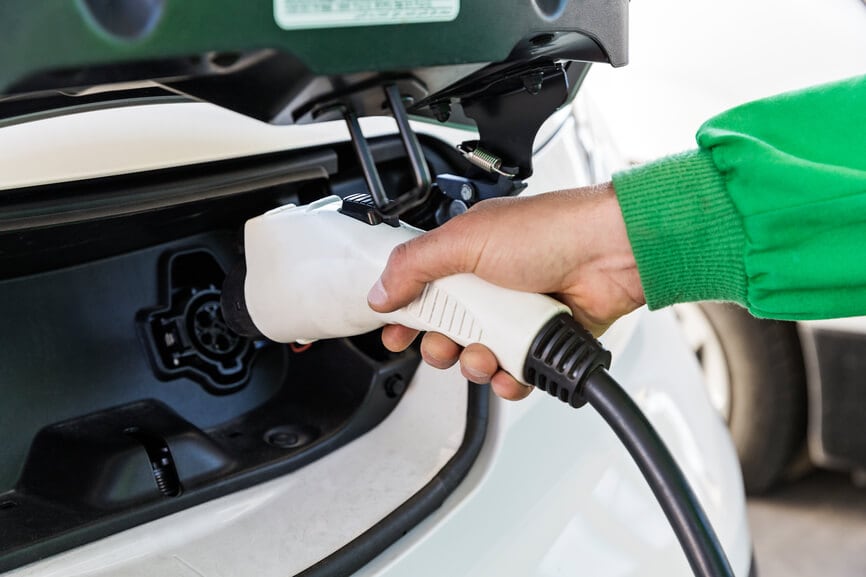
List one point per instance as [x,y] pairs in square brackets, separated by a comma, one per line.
[553,493]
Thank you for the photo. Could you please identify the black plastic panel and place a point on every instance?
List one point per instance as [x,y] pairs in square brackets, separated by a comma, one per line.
[97,438]
[84,412]
[75,349]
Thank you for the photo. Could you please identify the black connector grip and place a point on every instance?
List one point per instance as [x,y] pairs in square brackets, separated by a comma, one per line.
[561,358]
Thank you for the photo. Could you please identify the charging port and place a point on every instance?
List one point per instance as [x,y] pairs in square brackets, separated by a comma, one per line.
[187,336]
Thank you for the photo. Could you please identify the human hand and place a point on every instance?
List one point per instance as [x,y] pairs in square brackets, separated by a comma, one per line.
[571,244]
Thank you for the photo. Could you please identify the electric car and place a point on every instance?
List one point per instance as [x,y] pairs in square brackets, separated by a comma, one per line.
[142,436]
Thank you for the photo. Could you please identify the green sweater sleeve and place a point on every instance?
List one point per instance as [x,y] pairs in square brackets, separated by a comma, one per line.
[769,212]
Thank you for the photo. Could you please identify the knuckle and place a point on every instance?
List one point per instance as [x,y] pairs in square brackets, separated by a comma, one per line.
[399,256]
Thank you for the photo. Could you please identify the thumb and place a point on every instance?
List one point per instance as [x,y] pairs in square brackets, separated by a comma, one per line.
[413,264]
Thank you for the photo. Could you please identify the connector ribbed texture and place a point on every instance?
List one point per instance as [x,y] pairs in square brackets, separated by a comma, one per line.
[442,312]
[562,355]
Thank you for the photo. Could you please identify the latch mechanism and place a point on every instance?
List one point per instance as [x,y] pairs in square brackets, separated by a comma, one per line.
[415,196]
[508,105]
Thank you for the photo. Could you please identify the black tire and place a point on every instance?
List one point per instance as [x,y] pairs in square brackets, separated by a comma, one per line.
[768,391]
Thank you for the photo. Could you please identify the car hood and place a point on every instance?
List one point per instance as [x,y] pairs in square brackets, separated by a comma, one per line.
[294,61]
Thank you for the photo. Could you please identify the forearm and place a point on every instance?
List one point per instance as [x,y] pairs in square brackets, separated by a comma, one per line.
[770,212]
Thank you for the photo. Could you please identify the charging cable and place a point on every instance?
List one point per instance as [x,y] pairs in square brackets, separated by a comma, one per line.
[566,361]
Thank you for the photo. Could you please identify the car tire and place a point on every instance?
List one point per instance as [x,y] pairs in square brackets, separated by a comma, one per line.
[765,406]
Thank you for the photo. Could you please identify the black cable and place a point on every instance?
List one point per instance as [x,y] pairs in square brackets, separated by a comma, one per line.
[567,362]
[665,478]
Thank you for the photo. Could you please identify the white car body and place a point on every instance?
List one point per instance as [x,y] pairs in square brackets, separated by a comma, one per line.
[552,491]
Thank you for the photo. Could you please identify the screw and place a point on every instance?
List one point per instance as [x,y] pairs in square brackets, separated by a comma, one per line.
[467,191]
[395,386]
[282,439]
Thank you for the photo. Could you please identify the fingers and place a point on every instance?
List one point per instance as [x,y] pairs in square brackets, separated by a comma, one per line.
[477,364]
[413,264]
[397,338]
[439,351]
[507,387]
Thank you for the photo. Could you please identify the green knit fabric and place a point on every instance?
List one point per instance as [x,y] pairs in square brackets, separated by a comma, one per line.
[770,212]
[684,230]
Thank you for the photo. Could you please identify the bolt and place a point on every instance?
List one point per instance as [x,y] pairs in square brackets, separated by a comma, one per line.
[283,439]
[532,82]
[395,385]
[467,192]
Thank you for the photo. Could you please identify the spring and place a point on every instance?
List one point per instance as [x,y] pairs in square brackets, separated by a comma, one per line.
[483,159]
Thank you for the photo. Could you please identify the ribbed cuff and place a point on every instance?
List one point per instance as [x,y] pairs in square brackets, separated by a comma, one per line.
[685,232]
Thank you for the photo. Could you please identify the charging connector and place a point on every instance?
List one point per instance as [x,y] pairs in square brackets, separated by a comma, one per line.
[296,250]
[569,363]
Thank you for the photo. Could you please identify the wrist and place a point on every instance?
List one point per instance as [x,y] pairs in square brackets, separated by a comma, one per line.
[606,284]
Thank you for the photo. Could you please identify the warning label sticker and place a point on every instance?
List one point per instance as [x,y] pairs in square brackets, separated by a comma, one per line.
[301,14]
